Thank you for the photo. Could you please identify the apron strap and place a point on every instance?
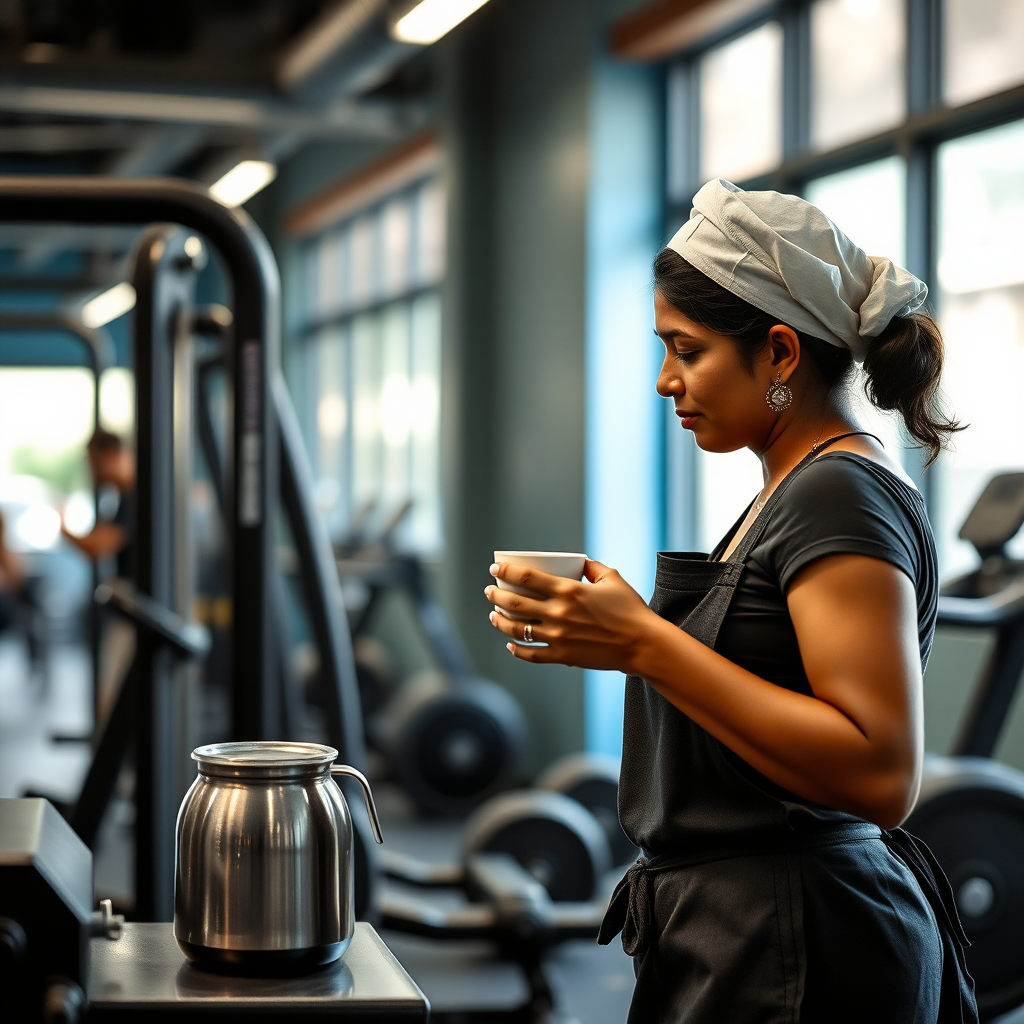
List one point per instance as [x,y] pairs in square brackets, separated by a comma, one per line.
[758,526]
[704,622]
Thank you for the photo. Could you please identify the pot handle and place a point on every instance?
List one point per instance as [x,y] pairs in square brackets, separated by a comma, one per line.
[371,809]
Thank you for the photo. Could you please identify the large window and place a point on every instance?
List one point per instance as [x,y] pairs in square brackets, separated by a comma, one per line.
[904,121]
[371,361]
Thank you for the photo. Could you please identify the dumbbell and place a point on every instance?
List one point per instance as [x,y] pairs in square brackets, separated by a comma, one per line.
[452,743]
[593,780]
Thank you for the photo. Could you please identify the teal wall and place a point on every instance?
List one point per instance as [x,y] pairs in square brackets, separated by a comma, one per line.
[553,157]
[625,457]
[514,102]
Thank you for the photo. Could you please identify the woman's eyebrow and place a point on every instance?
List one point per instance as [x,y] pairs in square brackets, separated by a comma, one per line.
[665,335]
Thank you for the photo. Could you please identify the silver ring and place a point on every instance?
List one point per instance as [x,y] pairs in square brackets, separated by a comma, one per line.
[528,633]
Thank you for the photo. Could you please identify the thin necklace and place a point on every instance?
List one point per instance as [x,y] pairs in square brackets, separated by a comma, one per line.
[761,502]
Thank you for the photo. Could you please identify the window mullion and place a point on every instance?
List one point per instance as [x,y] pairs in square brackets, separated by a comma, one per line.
[796,78]
[924,55]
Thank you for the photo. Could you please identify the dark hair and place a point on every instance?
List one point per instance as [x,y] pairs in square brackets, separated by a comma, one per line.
[903,364]
[103,442]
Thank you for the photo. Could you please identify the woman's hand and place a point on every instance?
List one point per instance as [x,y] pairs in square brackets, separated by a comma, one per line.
[600,624]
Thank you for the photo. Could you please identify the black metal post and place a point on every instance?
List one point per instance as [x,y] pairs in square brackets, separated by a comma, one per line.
[321,587]
[164,283]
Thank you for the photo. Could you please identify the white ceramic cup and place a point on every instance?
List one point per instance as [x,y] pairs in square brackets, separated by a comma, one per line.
[558,563]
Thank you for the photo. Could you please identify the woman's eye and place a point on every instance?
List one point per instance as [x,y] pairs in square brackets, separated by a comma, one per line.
[687,356]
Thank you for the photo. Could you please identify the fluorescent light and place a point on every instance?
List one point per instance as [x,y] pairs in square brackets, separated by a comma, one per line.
[243,181]
[431,19]
[109,305]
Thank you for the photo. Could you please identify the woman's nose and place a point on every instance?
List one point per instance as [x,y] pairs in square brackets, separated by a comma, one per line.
[669,383]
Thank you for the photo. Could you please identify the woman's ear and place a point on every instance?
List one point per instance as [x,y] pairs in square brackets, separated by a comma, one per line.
[783,351]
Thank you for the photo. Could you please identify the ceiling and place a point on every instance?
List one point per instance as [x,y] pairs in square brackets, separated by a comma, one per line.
[186,87]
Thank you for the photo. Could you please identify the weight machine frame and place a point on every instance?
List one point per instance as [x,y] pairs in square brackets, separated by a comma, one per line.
[252,483]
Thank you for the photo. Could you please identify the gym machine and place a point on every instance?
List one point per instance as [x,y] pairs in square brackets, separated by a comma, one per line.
[451,738]
[535,871]
[971,808]
[163,275]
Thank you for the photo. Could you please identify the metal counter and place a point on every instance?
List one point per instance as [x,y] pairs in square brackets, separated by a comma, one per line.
[144,971]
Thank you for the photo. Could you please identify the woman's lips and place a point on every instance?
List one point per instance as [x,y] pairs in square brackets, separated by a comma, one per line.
[688,420]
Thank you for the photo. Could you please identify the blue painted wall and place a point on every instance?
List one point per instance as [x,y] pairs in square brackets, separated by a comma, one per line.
[624,417]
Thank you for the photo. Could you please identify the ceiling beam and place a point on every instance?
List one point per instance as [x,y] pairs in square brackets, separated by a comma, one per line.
[64,138]
[665,27]
[157,150]
[343,118]
[317,45]
[408,163]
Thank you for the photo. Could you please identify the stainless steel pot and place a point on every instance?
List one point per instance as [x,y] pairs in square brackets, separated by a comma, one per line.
[263,872]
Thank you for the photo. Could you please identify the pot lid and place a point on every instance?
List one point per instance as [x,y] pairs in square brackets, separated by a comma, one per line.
[263,756]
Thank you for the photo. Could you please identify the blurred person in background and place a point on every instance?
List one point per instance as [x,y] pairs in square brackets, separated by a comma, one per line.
[112,467]
[12,583]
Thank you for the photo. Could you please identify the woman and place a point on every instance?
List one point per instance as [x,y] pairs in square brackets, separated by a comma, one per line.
[773,715]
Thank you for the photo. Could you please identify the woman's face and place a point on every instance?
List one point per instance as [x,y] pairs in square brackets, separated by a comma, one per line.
[716,393]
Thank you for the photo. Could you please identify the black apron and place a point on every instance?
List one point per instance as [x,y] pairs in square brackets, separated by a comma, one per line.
[774,912]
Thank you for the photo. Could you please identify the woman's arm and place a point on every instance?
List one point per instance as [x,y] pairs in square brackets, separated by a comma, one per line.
[103,541]
[856,745]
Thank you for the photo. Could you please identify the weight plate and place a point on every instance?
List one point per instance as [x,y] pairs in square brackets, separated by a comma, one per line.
[593,780]
[453,746]
[974,824]
[551,835]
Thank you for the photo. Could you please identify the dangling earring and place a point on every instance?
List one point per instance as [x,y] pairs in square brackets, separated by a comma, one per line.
[779,397]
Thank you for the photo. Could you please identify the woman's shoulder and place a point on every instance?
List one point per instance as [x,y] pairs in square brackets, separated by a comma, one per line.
[845,503]
[846,480]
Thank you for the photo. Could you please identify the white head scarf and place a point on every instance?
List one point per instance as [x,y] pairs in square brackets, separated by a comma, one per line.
[784,256]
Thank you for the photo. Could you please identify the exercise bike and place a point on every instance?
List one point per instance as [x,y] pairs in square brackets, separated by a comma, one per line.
[971,808]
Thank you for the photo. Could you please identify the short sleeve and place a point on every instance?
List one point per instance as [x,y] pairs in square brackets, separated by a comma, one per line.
[841,505]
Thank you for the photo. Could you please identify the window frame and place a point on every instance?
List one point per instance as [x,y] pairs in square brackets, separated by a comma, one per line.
[310,329]
[928,123]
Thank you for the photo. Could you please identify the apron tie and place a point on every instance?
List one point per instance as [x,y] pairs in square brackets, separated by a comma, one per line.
[930,876]
[629,910]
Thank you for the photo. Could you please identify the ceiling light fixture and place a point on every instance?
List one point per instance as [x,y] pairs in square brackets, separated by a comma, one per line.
[243,181]
[109,305]
[431,19]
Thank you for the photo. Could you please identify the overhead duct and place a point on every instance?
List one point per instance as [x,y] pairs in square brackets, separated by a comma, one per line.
[348,50]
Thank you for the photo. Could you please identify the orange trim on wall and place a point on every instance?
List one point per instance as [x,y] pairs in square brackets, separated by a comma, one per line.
[415,159]
[668,26]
